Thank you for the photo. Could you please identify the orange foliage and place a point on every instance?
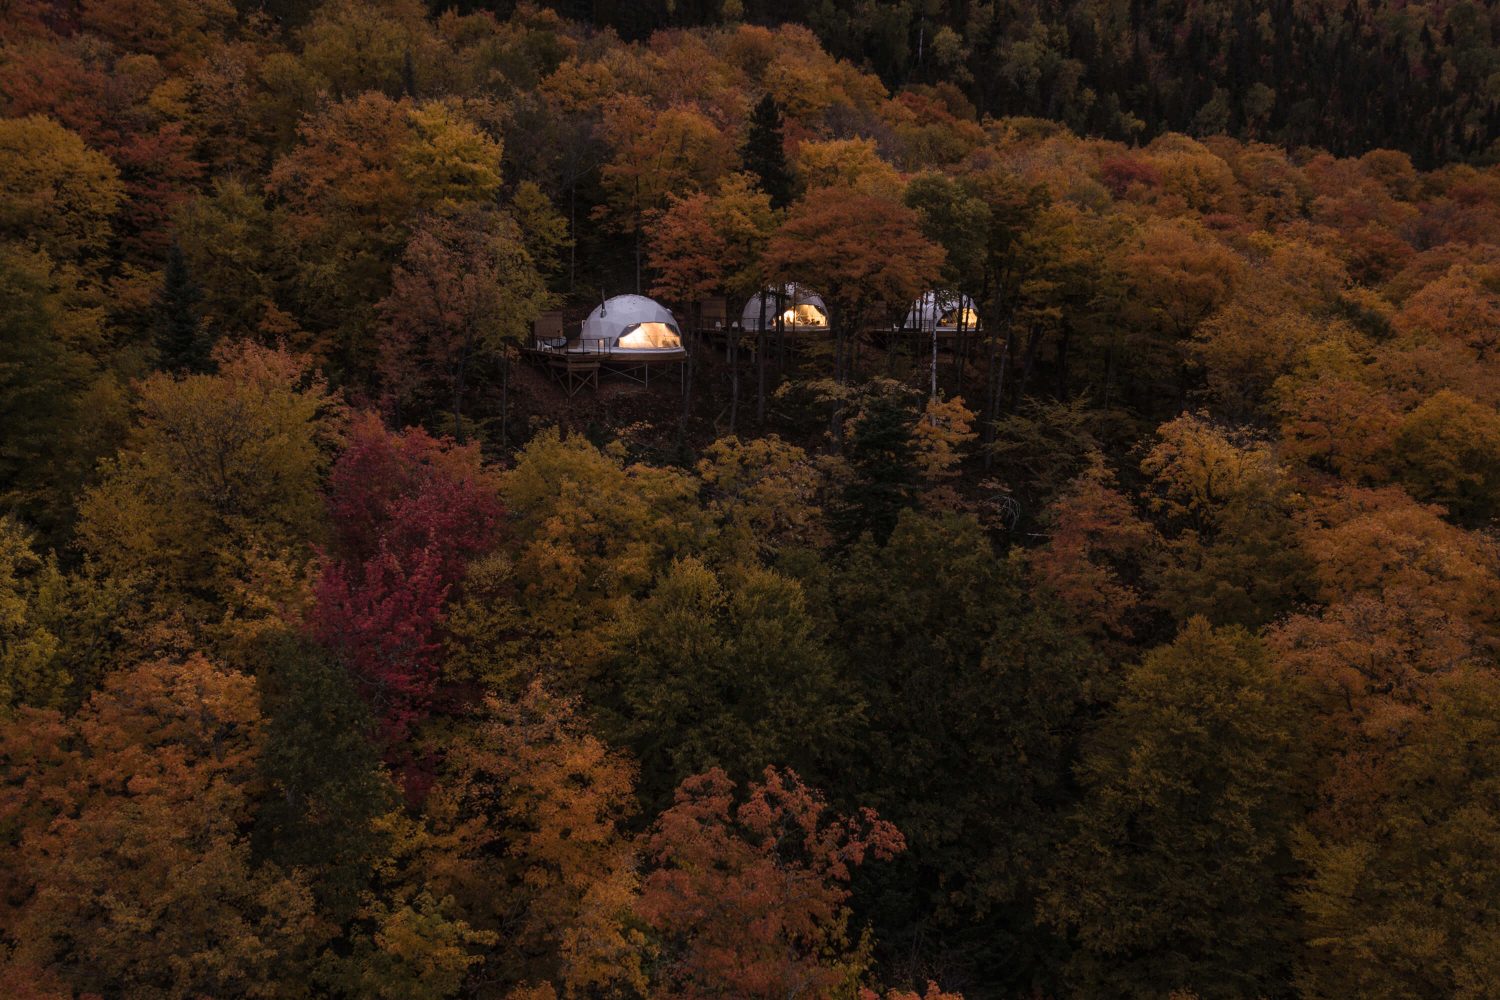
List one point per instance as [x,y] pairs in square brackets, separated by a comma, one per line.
[526,835]
[748,900]
[130,851]
[1095,533]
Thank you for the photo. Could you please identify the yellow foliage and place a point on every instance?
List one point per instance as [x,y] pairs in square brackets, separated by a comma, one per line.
[55,193]
[658,153]
[850,163]
[1383,543]
[359,45]
[942,432]
[524,831]
[591,533]
[1180,273]
[449,161]
[765,489]
[29,672]
[1193,177]
[1199,468]
[221,473]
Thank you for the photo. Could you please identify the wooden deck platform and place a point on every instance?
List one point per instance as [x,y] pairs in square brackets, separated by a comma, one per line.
[572,371]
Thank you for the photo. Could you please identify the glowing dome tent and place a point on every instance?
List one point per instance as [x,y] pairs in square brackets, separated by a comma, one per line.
[630,326]
[802,310]
[941,312]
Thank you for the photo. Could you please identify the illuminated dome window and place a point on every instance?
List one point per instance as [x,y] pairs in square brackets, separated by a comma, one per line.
[942,310]
[950,317]
[804,314]
[650,336]
[801,309]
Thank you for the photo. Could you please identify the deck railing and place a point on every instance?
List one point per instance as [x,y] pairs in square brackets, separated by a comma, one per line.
[597,346]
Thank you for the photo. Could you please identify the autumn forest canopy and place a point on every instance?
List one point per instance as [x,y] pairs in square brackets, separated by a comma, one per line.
[1075,573]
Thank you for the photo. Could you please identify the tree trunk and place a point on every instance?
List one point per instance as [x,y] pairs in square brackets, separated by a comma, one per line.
[1033,344]
[836,328]
[1109,372]
[933,371]
[687,389]
[960,346]
[734,380]
[1062,364]
[458,396]
[780,337]
[997,370]
[573,232]
[459,379]
[760,365]
[504,397]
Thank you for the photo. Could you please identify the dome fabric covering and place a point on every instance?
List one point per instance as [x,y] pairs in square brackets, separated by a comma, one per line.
[939,310]
[632,326]
[804,309]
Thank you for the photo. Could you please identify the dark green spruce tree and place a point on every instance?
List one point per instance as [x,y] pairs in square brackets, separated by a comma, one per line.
[47,440]
[764,152]
[323,775]
[182,343]
[882,455]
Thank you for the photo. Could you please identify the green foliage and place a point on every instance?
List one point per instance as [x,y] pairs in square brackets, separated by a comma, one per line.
[1236,557]
[59,413]
[881,450]
[415,951]
[1174,874]
[956,220]
[220,478]
[226,236]
[1130,71]
[1041,447]
[30,673]
[371,201]
[325,785]
[961,676]
[725,670]
[1448,451]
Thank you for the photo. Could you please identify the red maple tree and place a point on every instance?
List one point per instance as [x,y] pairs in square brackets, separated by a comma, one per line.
[408,511]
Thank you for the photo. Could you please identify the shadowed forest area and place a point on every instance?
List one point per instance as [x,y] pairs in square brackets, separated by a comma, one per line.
[1127,627]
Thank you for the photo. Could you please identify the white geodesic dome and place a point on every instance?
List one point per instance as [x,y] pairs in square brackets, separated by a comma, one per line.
[803,310]
[632,326]
[940,310]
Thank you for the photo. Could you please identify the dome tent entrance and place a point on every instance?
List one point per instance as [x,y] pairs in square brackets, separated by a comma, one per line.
[941,312]
[802,310]
[629,326]
[627,335]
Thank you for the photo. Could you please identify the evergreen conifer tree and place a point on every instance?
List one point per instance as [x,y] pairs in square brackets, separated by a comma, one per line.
[765,154]
[882,455]
[323,770]
[181,341]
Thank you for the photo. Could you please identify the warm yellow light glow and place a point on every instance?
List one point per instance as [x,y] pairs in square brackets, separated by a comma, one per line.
[650,336]
[804,314]
[950,318]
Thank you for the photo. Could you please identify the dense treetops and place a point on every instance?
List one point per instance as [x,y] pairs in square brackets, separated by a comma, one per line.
[1140,642]
[1347,76]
